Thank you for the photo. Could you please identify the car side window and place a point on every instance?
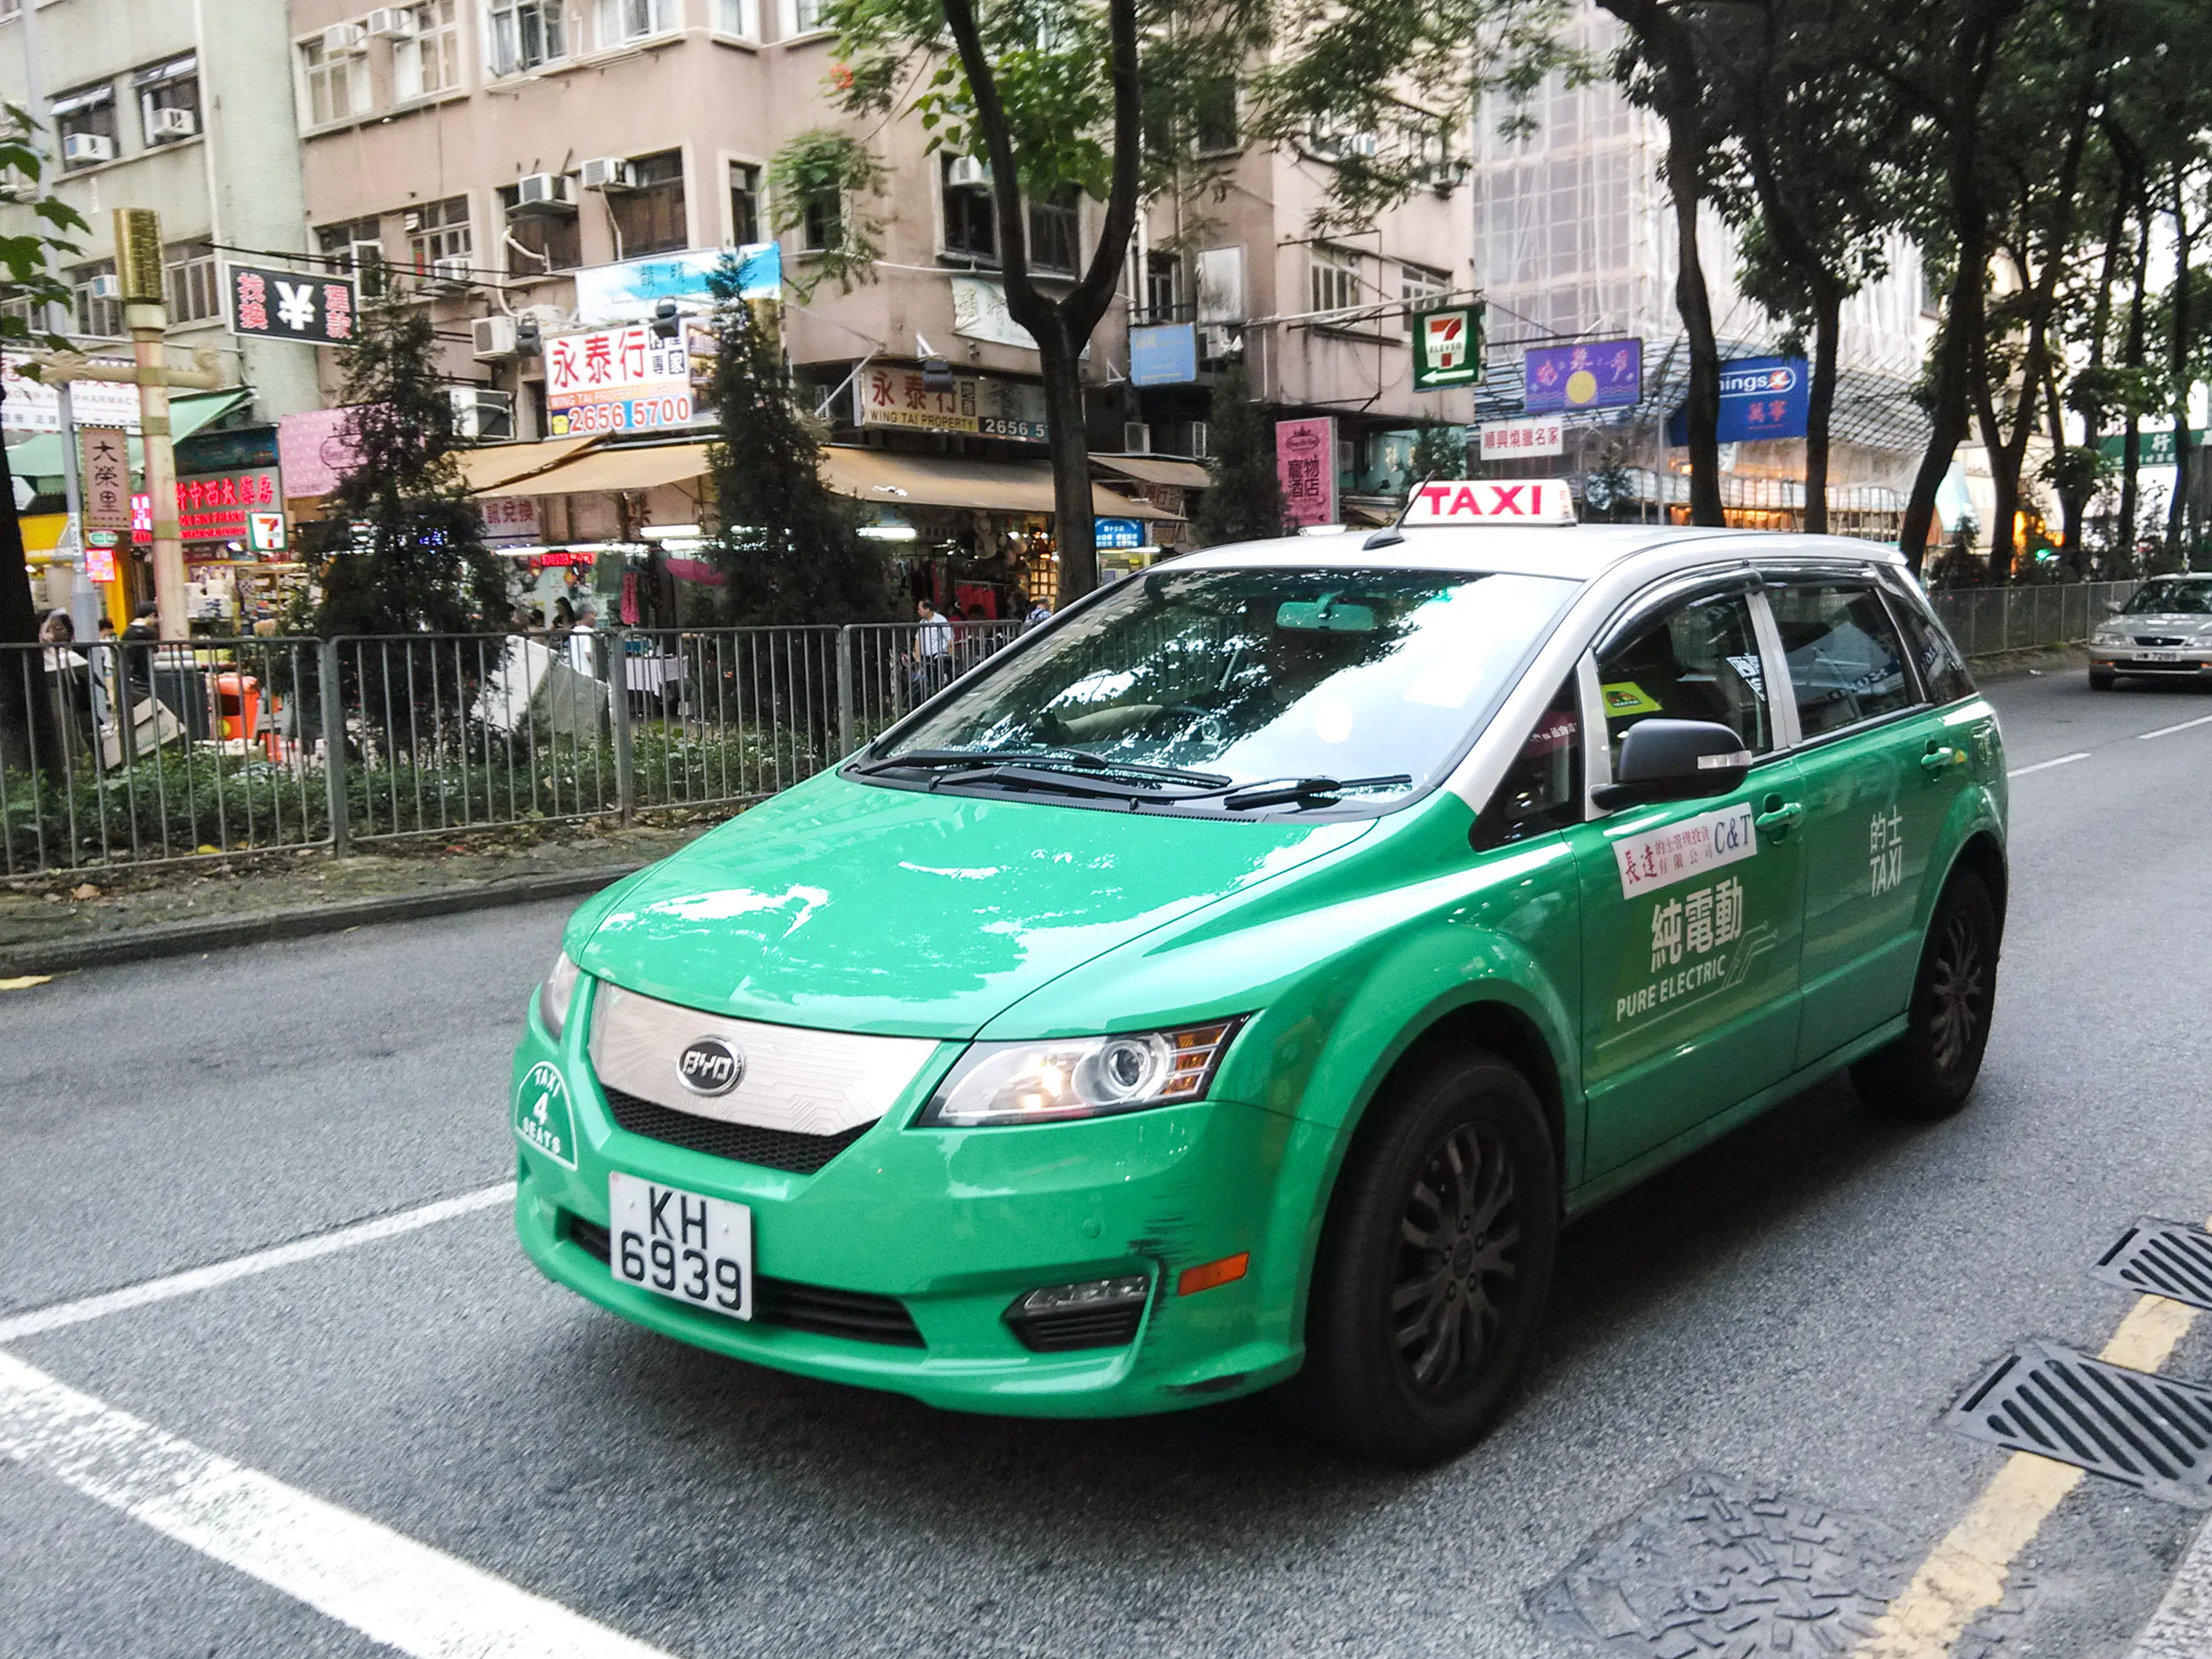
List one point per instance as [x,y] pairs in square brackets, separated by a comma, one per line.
[1846,663]
[1542,790]
[1699,661]
[1943,671]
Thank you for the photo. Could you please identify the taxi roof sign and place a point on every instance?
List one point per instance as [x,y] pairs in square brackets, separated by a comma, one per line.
[1485,501]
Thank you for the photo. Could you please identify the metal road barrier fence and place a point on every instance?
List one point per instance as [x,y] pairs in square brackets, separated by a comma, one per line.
[248,745]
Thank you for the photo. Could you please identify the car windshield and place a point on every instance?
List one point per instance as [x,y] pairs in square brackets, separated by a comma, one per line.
[2172,598]
[1258,675]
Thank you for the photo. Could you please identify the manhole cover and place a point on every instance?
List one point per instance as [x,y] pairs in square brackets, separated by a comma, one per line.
[2163,1258]
[1725,1570]
[2149,1432]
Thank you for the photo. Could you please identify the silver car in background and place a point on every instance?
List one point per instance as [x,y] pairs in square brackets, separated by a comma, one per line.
[2164,632]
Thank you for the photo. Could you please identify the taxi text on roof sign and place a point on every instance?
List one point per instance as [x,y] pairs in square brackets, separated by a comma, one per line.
[1469,501]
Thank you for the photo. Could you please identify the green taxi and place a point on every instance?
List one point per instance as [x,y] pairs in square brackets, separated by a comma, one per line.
[1239,981]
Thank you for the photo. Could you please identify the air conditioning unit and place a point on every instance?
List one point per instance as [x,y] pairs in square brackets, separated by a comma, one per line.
[967,173]
[543,192]
[1136,438]
[492,337]
[481,414]
[107,286]
[392,23]
[1218,345]
[1198,441]
[78,147]
[451,272]
[605,172]
[173,124]
[341,40]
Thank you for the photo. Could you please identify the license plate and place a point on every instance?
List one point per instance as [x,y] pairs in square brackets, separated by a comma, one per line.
[2157,656]
[682,1245]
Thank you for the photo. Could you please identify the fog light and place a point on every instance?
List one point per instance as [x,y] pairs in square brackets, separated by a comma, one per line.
[1098,1313]
[1093,1293]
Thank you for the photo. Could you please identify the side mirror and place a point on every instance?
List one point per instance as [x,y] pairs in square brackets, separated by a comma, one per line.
[2114,609]
[1675,760]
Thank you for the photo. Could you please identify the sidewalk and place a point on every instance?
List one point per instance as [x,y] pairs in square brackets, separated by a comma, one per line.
[53,926]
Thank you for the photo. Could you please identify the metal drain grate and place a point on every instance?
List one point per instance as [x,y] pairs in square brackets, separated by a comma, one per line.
[2146,1431]
[2162,1258]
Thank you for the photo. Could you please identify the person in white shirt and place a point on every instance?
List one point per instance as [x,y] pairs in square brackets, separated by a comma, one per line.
[583,653]
[933,647]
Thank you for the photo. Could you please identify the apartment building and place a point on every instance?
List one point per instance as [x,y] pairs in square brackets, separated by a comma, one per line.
[496,157]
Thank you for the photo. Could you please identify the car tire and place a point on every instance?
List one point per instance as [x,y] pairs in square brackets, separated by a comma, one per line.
[2102,679]
[1434,1267]
[1930,1071]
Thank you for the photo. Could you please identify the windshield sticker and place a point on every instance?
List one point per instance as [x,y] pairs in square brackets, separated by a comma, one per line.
[1885,852]
[1679,851]
[541,1117]
[1691,953]
[1625,698]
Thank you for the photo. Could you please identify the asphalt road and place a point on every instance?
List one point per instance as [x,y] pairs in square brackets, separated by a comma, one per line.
[1793,1309]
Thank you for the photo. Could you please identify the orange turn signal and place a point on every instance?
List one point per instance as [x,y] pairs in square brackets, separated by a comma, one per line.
[1207,1274]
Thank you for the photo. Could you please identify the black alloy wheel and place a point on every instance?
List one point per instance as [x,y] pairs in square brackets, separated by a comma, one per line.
[1434,1265]
[1930,1071]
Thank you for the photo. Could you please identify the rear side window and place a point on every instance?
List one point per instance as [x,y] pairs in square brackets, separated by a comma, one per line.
[1699,661]
[1542,790]
[1943,671]
[1846,663]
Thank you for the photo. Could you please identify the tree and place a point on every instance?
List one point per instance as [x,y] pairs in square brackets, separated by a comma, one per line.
[1439,452]
[402,549]
[1245,504]
[1114,98]
[787,547]
[27,288]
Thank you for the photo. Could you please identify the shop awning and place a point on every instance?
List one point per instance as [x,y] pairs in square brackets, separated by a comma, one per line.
[485,470]
[612,469]
[885,479]
[40,457]
[1156,470]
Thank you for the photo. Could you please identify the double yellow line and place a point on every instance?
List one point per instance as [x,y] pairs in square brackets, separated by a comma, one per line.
[1965,1575]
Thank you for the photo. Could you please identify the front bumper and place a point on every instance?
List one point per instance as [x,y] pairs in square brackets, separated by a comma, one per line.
[2194,662]
[952,1226]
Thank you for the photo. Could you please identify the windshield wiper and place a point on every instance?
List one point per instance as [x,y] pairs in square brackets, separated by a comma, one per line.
[1299,790]
[1057,760]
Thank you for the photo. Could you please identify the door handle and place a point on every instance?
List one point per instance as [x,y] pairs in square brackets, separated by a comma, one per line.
[1937,762]
[1776,819]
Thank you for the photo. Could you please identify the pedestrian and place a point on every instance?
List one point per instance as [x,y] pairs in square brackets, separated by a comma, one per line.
[1039,613]
[933,647]
[140,636]
[564,615]
[583,653]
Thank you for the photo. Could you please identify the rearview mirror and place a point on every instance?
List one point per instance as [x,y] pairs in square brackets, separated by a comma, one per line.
[1675,760]
[1328,616]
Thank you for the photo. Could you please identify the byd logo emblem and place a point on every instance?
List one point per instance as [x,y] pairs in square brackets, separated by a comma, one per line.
[711,1065]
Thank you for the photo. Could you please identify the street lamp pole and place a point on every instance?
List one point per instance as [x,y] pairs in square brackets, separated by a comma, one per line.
[138,267]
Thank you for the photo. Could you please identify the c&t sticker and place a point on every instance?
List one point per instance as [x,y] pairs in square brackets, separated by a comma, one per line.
[542,1117]
[1679,851]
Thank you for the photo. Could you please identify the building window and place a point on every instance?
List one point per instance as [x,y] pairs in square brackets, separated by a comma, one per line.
[744,203]
[623,20]
[822,222]
[1055,231]
[438,230]
[1213,122]
[168,100]
[194,292]
[1420,288]
[737,17]
[802,17]
[1335,277]
[541,241]
[1163,287]
[431,62]
[525,34]
[965,193]
[356,245]
[337,88]
[101,318]
[84,120]
[649,214]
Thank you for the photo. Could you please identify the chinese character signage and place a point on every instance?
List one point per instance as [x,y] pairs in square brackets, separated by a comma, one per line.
[616,380]
[1117,532]
[2152,448]
[1760,398]
[888,396]
[1447,347]
[315,309]
[1305,463]
[1541,435]
[1164,354]
[105,466]
[1603,374]
[510,521]
[215,509]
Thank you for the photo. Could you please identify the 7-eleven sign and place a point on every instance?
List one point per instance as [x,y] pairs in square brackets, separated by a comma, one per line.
[1448,347]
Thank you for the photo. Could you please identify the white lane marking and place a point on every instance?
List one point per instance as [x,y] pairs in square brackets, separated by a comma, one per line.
[2168,731]
[407,1595]
[2045,766]
[260,1262]
[2182,1626]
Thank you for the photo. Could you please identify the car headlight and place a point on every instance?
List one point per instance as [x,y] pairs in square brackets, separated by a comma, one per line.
[999,1083]
[555,994]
